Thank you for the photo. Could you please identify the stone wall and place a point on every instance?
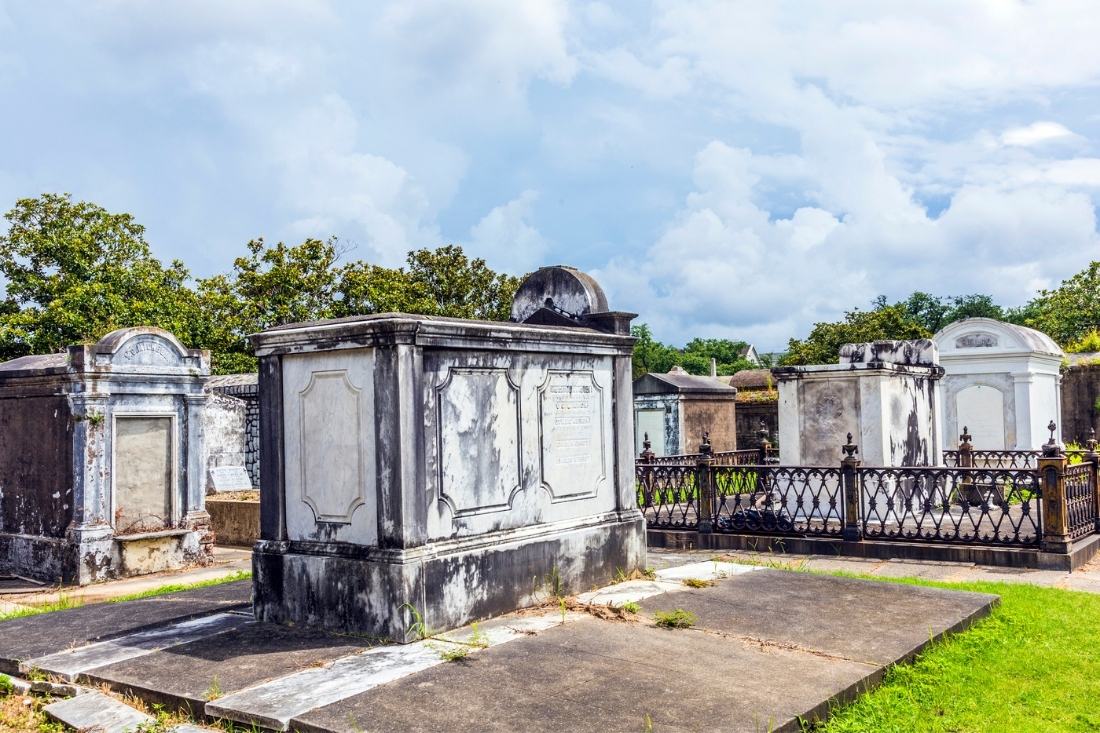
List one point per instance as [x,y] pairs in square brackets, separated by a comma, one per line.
[223,423]
[245,388]
[713,416]
[1080,394]
[749,415]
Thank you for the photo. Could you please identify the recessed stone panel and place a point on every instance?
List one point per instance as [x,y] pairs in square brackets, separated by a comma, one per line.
[142,474]
[571,414]
[479,440]
[331,459]
[329,444]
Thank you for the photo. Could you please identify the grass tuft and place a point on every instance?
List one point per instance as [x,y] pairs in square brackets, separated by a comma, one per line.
[698,583]
[675,619]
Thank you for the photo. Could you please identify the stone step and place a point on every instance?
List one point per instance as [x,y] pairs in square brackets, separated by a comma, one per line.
[98,712]
[70,664]
[273,704]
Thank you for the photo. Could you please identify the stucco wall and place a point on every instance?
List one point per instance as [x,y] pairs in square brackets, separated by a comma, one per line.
[225,434]
[716,416]
[1080,394]
[36,466]
[748,417]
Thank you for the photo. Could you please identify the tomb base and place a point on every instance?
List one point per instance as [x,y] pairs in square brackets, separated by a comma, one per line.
[444,585]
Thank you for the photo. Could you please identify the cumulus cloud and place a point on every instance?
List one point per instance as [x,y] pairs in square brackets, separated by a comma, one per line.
[506,239]
[1036,133]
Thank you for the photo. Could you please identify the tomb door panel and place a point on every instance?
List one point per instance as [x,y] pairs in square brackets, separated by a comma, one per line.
[980,408]
[143,475]
[652,423]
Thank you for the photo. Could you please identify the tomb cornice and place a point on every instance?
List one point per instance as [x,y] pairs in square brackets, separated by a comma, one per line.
[425,331]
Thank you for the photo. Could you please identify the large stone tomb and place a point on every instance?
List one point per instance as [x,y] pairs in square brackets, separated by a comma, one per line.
[101,459]
[883,393]
[1002,382]
[443,470]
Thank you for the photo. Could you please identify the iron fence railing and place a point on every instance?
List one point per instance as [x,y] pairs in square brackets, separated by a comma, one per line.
[985,506]
[802,500]
[1011,459]
[1080,493]
[1019,499]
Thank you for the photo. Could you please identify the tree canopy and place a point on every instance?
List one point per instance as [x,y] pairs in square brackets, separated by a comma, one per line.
[651,355]
[74,271]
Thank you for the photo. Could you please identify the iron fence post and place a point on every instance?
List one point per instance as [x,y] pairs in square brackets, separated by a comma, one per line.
[1091,456]
[704,480]
[965,459]
[849,477]
[1052,480]
[647,455]
[765,443]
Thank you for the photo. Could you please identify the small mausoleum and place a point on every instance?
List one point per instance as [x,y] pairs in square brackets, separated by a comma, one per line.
[675,409]
[445,470]
[757,407]
[101,459]
[1002,382]
[883,393]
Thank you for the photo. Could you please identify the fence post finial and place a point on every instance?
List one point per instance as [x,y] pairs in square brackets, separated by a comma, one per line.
[705,448]
[1051,448]
[647,454]
[850,484]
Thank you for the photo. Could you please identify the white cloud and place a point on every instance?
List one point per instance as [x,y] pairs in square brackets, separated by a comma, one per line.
[506,239]
[1036,133]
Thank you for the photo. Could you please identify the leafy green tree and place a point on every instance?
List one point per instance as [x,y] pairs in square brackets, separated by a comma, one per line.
[75,271]
[972,306]
[650,355]
[823,344]
[445,282]
[1068,312]
[270,286]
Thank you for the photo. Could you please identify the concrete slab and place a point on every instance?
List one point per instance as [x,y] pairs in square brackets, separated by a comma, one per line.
[37,636]
[70,664]
[188,676]
[274,704]
[94,711]
[861,620]
[601,676]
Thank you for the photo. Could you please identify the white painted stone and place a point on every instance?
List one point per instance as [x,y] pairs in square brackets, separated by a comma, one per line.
[706,570]
[1021,364]
[94,711]
[329,432]
[230,478]
[70,664]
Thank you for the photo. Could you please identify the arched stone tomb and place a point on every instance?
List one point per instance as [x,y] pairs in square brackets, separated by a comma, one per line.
[460,468]
[101,462]
[1001,381]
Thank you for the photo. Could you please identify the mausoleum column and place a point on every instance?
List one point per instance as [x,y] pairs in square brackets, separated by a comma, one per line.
[1021,386]
[91,495]
[627,497]
[194,490]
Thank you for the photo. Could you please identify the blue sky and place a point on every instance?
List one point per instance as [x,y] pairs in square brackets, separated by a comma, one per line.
[737,169]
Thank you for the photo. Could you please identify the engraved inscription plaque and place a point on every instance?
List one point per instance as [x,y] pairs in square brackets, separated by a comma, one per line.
[571,412]
[331,460]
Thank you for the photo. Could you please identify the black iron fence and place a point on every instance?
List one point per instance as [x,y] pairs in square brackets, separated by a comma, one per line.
[1048,503]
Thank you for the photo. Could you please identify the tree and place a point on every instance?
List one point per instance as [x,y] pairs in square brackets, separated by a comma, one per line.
[270,286]
[1069,312]
[823,344]
[650,355]
[76,271]
[934,312]
[445,282]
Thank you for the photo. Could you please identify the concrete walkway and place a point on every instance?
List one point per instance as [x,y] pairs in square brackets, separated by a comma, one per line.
[764,648]
[1085,579]
[227,561]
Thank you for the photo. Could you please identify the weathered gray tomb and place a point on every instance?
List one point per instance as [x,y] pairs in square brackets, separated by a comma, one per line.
[883,393]
[459,468]
[101,459]
[677,409]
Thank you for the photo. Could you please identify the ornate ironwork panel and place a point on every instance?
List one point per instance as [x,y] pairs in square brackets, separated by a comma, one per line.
[798,500]
[961,505]
[668,495]
[1080,499]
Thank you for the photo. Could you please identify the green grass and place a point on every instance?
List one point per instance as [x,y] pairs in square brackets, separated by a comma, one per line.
[1033,666]
[177,587]
[63,603]
[675,619]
